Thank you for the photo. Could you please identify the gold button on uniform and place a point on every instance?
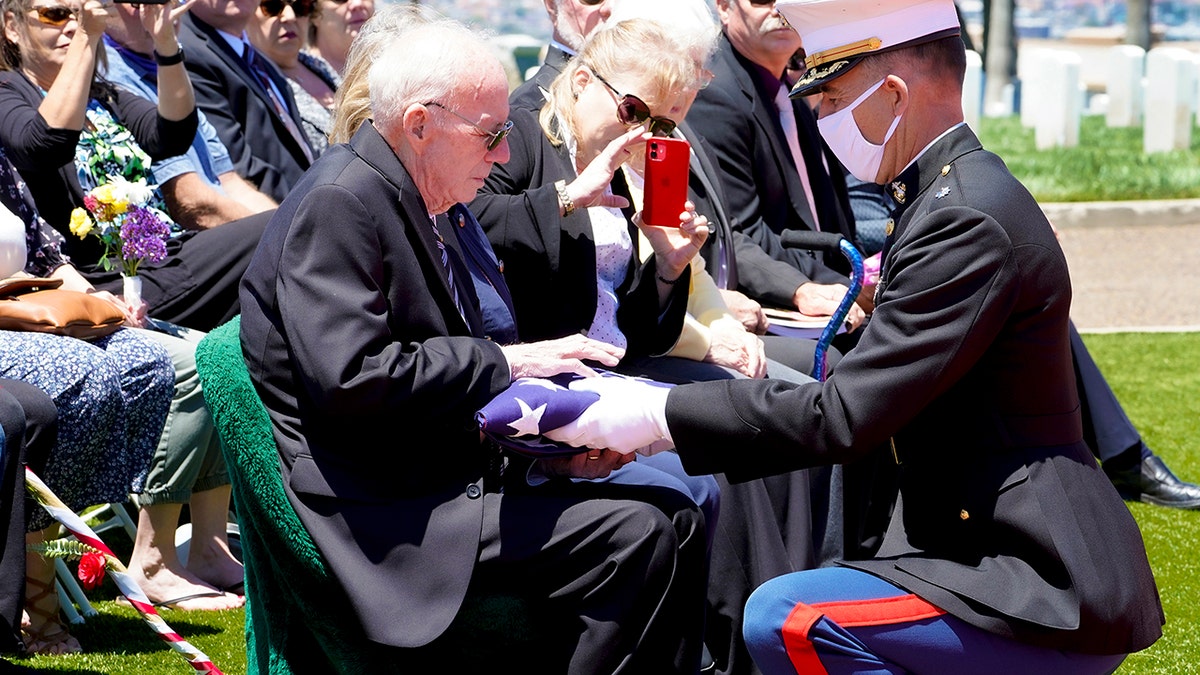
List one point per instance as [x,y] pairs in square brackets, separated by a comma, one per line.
[964,515]
[945,169]
[889,228]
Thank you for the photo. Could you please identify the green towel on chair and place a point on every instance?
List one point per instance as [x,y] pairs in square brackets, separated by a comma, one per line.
[298,619]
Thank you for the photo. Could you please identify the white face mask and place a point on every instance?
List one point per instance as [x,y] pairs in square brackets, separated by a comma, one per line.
[840,130]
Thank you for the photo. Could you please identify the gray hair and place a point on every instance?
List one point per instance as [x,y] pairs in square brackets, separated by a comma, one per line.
[692,23]
[429,64]
[352,103]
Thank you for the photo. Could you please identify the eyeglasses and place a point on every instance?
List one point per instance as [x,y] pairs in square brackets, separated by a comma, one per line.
[593,3]
[760,3]
[632,110]
[274,8]
[57,15]
[495,138]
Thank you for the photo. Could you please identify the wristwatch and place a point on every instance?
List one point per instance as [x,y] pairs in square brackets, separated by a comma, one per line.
[171,60]
[564,198]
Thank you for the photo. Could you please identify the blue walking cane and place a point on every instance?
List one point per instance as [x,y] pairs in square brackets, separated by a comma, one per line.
[832,242]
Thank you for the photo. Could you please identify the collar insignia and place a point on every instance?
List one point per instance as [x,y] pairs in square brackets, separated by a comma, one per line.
[942,193]
[899,191]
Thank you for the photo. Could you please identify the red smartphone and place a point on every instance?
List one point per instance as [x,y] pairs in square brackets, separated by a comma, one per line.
[666,181]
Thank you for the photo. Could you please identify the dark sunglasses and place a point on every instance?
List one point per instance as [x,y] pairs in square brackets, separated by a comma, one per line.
[57,16]
[300,8]
[632,110]
[495,138]
[593,3]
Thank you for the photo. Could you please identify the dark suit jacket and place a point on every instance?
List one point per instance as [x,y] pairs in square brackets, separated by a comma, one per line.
[1004,519]
[352,337]
[262,149]
[550,261]
[528,94]
[740,125]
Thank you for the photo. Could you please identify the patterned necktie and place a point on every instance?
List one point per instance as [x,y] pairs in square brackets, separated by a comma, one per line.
[441,244]
[255,61]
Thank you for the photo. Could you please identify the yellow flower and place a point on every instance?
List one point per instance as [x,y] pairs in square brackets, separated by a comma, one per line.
[81,224]
[104,193]
[118,207]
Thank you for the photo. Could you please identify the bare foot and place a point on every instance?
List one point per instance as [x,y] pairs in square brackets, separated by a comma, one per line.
[180,589]
[212,562]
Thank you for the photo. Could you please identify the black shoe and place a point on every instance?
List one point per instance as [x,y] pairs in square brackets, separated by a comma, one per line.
[1150,481]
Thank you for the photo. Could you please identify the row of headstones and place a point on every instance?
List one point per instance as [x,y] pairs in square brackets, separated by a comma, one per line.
[1157,89]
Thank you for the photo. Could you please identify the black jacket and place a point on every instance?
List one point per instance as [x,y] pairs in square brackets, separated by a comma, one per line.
[1004,519]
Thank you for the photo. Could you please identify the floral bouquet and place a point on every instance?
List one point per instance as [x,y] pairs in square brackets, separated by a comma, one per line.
[132,232]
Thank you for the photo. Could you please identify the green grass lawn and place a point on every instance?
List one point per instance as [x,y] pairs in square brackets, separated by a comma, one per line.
[1107,165]
[1156,376]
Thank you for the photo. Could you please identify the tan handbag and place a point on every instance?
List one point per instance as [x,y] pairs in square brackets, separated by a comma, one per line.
[39,305]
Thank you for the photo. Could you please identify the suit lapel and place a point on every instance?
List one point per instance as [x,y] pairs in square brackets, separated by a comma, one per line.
[766,115]
[235,63]
[370,146]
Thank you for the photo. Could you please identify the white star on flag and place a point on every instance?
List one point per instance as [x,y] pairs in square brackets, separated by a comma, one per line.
[527,423]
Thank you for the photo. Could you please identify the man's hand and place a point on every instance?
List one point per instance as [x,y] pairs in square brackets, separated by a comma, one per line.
[564,355]
[823,300]
[588,465]
[733,347]
[746,310]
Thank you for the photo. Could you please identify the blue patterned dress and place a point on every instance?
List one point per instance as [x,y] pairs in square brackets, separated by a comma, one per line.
[112,393]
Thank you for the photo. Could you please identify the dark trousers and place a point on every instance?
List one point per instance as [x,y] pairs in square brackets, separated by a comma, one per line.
[1106,428]
[28,418]
[198,284]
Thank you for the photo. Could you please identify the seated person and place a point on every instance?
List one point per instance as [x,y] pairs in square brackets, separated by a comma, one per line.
[1007,550]
[187,466]
[359,319]
[278,30]
[200,188]
[334,27]
[83,130]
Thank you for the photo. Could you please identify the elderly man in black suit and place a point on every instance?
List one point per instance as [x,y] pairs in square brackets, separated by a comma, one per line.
[363,335]
[244,96]
[1008,549]
[776,172]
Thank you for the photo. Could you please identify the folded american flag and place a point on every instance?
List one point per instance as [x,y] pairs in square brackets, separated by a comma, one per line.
[517,416]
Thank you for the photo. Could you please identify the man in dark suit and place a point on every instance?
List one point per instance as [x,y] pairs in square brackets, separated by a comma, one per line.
[739,117]
[244,96]
[363,335]
[1008,546]
[573,21]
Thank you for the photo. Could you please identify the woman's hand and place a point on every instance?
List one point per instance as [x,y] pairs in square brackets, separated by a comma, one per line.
[587,465]
[733,347]
[93,19]
[591,187]
[674,247]
[564,355]
[159,21]
[135,317]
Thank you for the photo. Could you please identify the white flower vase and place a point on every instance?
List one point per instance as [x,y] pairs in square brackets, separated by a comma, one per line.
[132,290]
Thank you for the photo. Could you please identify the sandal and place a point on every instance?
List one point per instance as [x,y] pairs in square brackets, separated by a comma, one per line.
[52,638]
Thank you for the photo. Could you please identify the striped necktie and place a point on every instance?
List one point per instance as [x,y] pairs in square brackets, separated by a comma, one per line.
[441,245]
[255,61]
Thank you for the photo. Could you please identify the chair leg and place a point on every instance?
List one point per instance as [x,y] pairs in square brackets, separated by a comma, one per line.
[73,593]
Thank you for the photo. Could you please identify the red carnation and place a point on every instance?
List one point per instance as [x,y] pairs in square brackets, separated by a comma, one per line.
[91,570]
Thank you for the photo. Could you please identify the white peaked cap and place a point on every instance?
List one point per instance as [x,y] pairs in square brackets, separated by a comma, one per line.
[839,33]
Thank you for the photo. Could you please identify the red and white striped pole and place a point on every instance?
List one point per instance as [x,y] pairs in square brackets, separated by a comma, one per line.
[129,588]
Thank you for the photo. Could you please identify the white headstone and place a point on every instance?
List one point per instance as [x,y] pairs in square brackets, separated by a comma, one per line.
[1170,92]
[972,94]
[1031,73]
[1126,68]
[1059,101]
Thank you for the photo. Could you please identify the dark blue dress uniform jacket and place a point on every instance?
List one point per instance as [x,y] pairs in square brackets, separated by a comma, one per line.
[1004,519]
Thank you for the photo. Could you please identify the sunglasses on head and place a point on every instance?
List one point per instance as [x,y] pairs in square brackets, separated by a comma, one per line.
[300,8]
[632,110]
[57,15]
[495,138]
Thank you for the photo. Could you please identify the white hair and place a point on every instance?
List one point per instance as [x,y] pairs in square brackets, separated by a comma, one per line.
[429,64]
[692,23]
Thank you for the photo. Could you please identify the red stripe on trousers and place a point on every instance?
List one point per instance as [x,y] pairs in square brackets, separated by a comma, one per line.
[847,613]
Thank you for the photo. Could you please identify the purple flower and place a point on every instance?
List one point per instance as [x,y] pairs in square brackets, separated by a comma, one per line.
[143,236]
